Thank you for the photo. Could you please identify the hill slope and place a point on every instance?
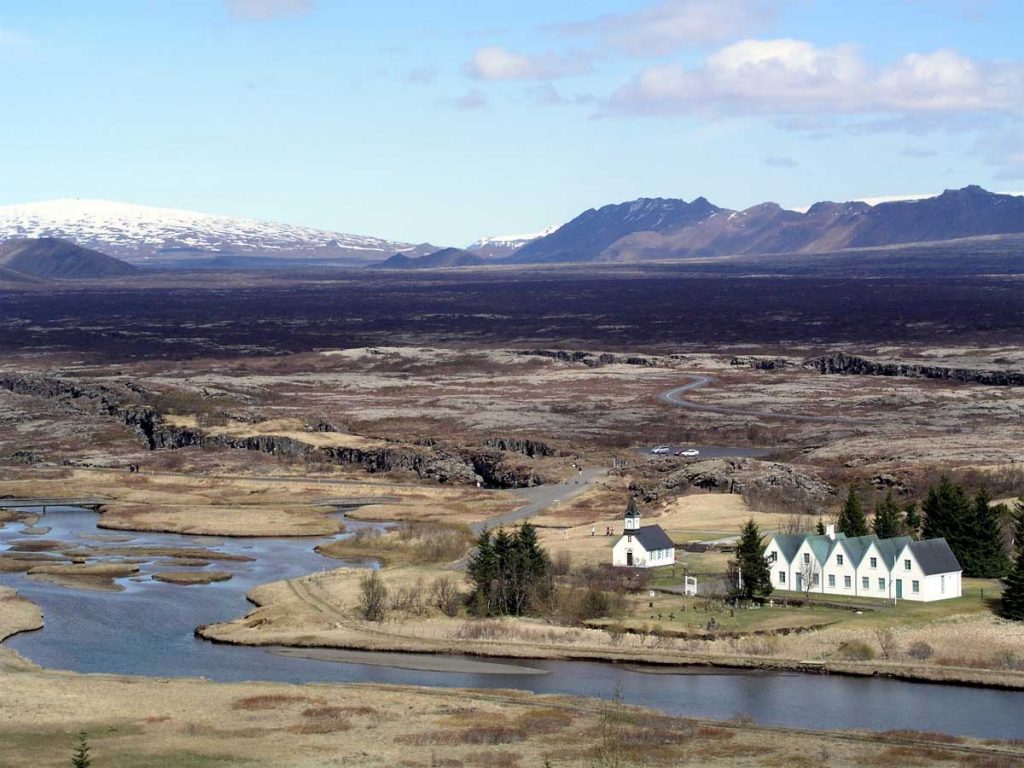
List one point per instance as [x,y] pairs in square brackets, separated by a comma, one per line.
[51,258]
[142,234]
[445,258]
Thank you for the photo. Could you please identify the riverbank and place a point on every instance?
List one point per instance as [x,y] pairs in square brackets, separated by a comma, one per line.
[193,723]
[320,611]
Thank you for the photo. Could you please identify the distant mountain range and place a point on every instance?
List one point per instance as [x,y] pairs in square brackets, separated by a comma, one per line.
[29,260]
[658,229]
[170,238]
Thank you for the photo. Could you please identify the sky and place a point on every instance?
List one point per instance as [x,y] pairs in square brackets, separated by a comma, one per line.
[449,120]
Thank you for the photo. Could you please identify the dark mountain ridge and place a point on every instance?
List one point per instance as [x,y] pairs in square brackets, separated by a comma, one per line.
[446,257]
[50,258]
[649,230]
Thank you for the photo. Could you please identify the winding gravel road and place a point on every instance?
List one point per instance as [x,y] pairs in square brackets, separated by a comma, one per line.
[699,381]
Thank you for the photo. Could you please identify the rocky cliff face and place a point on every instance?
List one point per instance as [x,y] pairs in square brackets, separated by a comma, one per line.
[733,476]
[842,363]
[431,462]
[591,359]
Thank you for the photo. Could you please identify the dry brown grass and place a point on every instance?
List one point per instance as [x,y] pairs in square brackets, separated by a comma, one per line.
[191,578]
[268,701]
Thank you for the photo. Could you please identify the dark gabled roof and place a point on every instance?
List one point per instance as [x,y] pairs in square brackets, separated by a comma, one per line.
[934,556]
[789,543]
[651,538]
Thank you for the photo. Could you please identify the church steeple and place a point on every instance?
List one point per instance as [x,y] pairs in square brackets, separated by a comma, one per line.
[632,519]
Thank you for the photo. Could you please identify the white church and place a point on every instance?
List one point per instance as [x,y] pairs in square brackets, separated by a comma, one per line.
[864,566]
[639,546]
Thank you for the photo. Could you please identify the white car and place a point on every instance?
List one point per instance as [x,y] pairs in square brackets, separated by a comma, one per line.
[661,450]
[688,452]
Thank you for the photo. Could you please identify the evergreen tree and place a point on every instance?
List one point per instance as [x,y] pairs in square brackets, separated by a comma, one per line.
[1013,584]
[481,572]
[752,565]
[819,528]
[80,757]
[888,520]
[987,559]
[912,519]
[946,513]
[852,521]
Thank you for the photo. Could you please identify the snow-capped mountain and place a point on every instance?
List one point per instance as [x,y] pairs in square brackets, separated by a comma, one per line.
[505,245]
[166,236]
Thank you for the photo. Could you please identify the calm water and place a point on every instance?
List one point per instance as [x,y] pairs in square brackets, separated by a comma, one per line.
[148,630]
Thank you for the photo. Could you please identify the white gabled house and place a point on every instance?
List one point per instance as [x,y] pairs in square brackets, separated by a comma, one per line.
[864,566]
[639,546]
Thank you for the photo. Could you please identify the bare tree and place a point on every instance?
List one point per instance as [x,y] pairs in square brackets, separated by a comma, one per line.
[810,575]
[445,595]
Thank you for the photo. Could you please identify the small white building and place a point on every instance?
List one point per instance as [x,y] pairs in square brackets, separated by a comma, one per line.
[639,546]
[864,566]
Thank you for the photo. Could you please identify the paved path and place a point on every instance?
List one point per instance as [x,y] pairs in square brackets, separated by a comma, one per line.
[541,497]
[699,381]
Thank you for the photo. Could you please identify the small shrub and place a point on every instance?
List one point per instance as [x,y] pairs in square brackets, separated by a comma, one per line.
[856,650]
[373,597]
[409,598]
[920,650]
[561,564]
[547,720]
[445,596]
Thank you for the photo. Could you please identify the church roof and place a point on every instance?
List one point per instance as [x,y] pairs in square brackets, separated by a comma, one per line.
[651,538]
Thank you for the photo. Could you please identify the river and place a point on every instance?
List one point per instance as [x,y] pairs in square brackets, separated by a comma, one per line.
[148,630]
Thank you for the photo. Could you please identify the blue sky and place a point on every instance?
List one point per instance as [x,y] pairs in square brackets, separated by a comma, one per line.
[450,120]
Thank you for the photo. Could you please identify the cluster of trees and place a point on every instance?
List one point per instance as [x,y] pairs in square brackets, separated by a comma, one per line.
[971,527]
[511,573]
[890,520]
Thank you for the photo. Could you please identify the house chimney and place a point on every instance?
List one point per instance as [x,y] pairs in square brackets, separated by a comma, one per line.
[830,531]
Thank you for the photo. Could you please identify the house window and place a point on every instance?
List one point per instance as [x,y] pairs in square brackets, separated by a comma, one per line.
[782,577]
[881,584]
[807,558]
[816,579]
[906,565]
[629,539]
[874,562]
[831,580]
[915,587]
[847,581]
[839,559]
[865,583]
[772,557]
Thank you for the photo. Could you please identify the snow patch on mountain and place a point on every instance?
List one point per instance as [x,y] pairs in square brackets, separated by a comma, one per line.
[144,233]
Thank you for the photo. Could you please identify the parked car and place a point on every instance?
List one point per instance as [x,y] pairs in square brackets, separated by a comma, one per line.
[661,450]
[688,452]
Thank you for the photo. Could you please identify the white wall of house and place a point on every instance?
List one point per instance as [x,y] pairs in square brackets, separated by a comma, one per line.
[806,555]
[779,566]
[873,577]
[917,586]
[840,574]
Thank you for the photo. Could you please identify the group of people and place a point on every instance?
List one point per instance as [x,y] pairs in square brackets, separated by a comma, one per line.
[607,530]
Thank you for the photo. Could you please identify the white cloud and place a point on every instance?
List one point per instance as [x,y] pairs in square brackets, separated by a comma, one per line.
[260,10]
[672,24]
[788,77]
[498,63]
